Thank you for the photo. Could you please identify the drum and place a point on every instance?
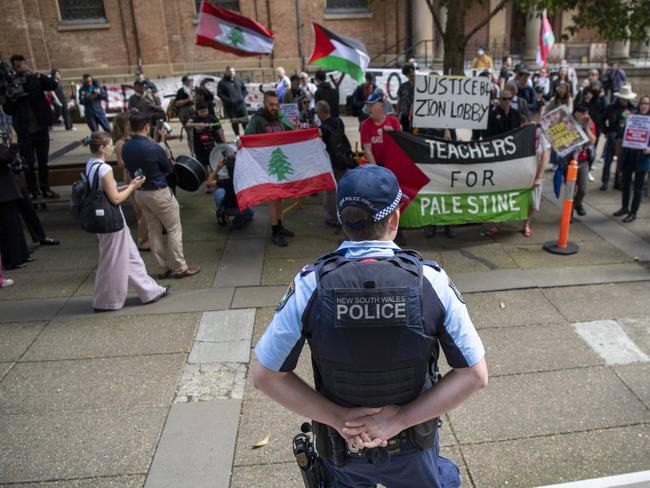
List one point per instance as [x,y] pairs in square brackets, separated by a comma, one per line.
[220,152]
[190,173]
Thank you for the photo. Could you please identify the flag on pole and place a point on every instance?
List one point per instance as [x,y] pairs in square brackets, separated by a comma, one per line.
[281,165]
[229,31]
[339,53]
[546,40]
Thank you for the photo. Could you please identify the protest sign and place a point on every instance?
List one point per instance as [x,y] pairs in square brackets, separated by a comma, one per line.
[453,102]
[637,132]
[453,182]
[562,130]
[291,112]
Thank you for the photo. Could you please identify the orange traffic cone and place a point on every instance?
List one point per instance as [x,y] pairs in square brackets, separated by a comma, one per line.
[562,245]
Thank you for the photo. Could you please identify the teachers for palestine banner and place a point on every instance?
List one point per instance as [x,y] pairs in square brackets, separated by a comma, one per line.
[462,182]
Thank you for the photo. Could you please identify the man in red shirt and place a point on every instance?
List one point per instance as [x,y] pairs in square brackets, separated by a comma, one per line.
[372,129]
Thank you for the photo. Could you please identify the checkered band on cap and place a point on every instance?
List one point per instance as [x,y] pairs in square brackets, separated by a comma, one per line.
[382,214]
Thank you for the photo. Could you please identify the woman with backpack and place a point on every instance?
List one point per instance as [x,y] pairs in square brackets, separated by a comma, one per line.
[119,264]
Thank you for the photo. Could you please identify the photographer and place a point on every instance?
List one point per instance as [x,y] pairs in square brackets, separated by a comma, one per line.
[91,95]
[32,117]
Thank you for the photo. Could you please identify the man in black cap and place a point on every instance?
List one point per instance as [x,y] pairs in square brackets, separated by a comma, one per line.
[375,317]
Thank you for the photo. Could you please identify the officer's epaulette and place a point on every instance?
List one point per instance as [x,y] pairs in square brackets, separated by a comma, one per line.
[432,264]
[306,270]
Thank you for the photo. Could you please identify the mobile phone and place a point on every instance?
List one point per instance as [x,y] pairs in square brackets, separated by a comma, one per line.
[138,173]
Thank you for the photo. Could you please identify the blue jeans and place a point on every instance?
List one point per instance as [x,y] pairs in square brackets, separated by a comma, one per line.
[608,155]
[95,119]
[408,469]
[240,217]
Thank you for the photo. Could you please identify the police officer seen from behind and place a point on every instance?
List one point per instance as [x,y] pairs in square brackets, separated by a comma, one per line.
[375,317]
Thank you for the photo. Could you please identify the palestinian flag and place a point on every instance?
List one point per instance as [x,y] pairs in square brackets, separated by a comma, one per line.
[457,182]
[229,31]
[281,165]
[337,52]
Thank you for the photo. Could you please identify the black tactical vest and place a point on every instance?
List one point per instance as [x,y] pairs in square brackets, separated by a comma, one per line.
[369,326]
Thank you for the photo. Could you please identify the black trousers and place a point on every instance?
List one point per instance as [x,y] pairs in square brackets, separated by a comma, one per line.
[13,246]
[64,113]
[30,217]
[36,148]
[632,183]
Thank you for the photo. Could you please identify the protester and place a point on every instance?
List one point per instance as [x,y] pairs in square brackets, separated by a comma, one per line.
[295,92]
[32,119]
[308,88]
[503,117]
[525,91]
[143,100]
[544,82]
[156,200]
[606,78]
[405,96]
[202,94]
[615,119]
[325,91]
[121,133]
[618,76]
[542,151]
[4,281]
[583,155]
[361,94]
[119,265]
[150,86]
[269,119]
[562,77]
[184,106]
[232,92]
[282,83]
[307,115]
[61,110]
[91,95]
[207,133]
[482,60]
[597,102]
[561,97]
[158,134]
[221,183]
[540,101]
[340,153]
[372,129]
[506,71]
[635,164]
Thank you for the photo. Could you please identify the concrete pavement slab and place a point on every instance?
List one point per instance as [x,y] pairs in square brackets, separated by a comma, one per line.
[52,284]
[258,228]
[638,330]
[544,229]
[16,337]
[257,296]
[211,381]
[241,264]
[533,348]
[4,369]
[263,317]
[511,308]
[196,446]
[277,475]
[608,339]
[31,310]
[226,325]
[547,403]
[65,259]
[124,383]
[109,335]
[133,481]
[533,256]
[559,458]
[281,271]
[88,444]
[220,352]
[636,377]
[303,248]
[483,257]
[599,302]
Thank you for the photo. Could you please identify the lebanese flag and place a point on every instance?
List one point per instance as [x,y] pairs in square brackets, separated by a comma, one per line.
[281,165]
[229,31]
[546,40]
[337,52]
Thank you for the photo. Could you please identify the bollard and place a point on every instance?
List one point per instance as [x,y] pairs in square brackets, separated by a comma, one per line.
[562,245]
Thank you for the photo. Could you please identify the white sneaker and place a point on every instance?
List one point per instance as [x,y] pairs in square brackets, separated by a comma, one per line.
[7,283]
[590,176]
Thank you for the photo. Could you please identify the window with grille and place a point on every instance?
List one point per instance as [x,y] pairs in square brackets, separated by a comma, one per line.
[348,5]
[220,3]
[82,10]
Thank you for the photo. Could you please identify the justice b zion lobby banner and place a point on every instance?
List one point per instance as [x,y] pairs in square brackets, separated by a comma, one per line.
[463,182]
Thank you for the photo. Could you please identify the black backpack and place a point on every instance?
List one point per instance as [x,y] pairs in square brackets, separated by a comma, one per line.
[96,212]
[339,147]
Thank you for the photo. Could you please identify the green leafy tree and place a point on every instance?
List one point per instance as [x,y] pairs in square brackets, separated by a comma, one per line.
[236,36]
[279,166]
[615,20]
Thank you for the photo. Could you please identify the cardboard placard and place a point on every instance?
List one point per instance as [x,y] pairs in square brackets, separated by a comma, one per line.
[637,132]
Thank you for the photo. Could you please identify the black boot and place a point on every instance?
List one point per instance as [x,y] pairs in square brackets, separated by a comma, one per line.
[620,212]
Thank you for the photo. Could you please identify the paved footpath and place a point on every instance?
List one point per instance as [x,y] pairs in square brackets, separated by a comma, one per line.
[160,395]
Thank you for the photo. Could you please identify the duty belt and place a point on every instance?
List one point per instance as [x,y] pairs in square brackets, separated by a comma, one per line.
[394,446]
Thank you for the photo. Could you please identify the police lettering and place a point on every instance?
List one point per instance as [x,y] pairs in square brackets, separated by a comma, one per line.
[371,308]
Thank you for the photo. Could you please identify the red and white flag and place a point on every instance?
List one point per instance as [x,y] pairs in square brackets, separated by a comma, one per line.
[232,32]
[281,165]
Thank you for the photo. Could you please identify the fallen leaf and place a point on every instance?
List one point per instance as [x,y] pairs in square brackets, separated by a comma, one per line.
[261,443]
[502,305]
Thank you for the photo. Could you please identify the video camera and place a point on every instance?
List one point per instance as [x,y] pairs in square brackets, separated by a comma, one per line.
[18,165]
[311,467]
[11,85]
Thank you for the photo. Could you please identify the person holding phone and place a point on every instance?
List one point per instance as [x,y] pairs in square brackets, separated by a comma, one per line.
[119,264]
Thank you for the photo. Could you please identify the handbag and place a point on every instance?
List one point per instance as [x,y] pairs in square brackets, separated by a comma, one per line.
[98,214]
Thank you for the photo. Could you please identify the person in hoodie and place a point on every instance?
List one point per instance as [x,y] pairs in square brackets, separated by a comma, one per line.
[232,92]
[327,92]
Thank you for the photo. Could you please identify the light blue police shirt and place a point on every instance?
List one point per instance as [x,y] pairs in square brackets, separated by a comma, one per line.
[283,338]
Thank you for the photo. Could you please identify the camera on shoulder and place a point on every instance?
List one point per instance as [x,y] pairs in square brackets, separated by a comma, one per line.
[13,85]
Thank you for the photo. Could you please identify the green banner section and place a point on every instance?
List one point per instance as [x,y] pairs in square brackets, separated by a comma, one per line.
[437,209]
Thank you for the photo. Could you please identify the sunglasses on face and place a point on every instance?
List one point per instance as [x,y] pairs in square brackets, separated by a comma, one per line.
[506,99]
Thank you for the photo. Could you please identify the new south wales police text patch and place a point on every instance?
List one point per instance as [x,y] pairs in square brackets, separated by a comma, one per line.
[287,294]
